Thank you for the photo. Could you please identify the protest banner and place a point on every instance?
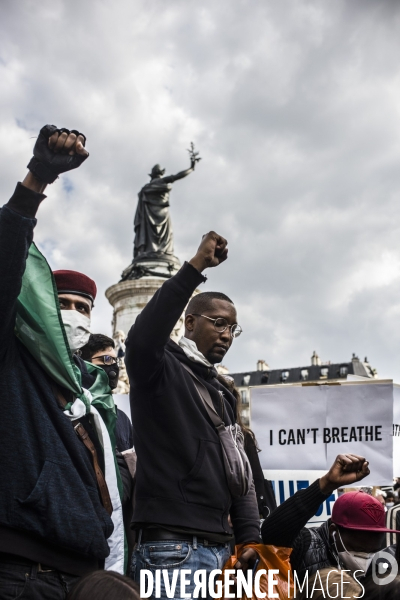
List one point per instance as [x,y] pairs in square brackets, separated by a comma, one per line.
[122,401]
[304,427]
[286,483]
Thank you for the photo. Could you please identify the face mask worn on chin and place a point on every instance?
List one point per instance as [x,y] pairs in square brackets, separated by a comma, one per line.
[77,328]
[113,374]
[351,560]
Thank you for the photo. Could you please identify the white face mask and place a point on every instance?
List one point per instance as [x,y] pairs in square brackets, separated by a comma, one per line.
[77,328]
[354,561]
[389,504]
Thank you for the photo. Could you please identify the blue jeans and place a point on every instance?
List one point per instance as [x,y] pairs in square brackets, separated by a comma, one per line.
[176,556]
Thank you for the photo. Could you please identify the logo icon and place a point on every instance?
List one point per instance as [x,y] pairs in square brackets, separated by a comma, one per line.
[373,511]
[384,568]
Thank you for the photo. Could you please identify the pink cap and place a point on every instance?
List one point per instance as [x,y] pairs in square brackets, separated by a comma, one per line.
[358,510]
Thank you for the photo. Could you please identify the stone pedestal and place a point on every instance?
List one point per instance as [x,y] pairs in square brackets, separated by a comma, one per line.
[128,299]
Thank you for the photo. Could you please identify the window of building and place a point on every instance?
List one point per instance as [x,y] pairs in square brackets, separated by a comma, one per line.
[304,374]
[324,372]
[284,376]
[343,371]
[244,396]
[264,378]
[246,380]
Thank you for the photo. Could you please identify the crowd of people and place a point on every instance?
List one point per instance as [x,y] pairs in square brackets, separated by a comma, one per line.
[89,502]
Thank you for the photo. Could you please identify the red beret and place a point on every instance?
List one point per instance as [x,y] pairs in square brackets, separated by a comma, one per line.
[73,282]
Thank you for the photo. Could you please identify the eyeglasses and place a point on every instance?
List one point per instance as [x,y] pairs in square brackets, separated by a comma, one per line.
[222,324]
[108,360]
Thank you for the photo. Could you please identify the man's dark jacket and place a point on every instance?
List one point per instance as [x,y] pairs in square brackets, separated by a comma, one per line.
[180,478]
[50,510]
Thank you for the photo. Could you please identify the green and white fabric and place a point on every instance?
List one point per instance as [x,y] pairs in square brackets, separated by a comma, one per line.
[40,328]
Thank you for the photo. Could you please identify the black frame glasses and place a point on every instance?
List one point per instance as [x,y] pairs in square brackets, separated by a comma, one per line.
[220,327]
[112,361]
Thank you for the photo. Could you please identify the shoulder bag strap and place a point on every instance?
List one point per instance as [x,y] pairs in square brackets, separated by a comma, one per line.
[84,436]
[206,397]
[101,482]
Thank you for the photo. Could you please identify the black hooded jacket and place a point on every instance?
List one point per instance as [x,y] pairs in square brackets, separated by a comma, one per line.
[180,478]
[50,509]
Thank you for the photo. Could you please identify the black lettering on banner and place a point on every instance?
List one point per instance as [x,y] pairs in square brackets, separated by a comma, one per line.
[301,436]
[396,429]
[291,439]
[360,432]
[314,430]
[335,435]
[353,435]
[282,443]
[378,433]
[344,434]
[369,434]
[327,437]
[271,439]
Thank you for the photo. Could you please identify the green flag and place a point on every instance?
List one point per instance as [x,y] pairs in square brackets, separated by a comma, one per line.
[40,328]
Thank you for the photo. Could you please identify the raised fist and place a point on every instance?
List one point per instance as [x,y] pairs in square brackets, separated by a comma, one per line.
[347,470]
[57,151]
[212,252]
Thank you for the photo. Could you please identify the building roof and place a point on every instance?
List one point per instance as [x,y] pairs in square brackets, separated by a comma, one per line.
[308,373]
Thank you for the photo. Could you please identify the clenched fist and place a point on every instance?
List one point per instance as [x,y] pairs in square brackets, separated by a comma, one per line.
[345,471]
[57,151]
[212,252]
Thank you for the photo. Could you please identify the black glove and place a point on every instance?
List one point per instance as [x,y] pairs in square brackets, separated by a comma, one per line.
[45,164]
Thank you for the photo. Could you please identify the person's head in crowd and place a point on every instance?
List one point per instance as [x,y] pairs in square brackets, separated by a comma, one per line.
[76,296]
[389,500]
[100,351]
[105,585]
[387,591]
[358,529]
[211,323]
[330,583]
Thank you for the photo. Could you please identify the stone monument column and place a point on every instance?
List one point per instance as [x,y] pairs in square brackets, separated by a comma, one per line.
[128,298]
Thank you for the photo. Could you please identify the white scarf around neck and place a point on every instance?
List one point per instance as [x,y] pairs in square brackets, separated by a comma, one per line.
[190,349]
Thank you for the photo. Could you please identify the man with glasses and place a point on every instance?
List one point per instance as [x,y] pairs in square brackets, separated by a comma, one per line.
[185,515]
[100,351]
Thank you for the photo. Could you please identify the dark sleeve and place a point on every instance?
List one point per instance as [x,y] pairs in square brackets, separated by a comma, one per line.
[126,478]
[17,221]
[151,331]
[123,432]
[283,526]
[258,475]
[245,518]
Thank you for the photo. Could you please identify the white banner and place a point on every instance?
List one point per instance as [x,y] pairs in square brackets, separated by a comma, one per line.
[122,401]
[304,427]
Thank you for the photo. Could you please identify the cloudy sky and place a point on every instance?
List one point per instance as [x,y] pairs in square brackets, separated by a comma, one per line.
[295,107]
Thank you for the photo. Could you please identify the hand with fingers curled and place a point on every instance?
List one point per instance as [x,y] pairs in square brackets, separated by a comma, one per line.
[345,471]
[57,151]
[213,251]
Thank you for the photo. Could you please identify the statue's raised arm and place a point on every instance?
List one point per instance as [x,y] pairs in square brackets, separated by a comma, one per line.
[194,158]
[180,175]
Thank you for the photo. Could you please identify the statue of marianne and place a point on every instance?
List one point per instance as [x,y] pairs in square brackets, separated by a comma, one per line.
[153,228]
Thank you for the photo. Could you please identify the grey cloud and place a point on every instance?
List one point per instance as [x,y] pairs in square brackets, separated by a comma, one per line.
[294,108]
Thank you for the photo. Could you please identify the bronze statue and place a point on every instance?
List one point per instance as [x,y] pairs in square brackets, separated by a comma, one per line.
[153,229]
